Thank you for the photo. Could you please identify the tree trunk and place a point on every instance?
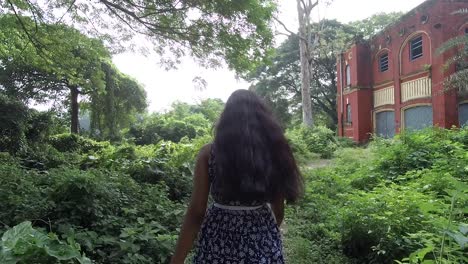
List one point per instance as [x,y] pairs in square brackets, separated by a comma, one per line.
[307,118]
[74,110]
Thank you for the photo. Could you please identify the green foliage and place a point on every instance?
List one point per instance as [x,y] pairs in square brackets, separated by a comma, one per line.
[183,121]
[157,127]
[319,140]
[374,222]
[21,127]
[12,124]
[400,200]
[114,108]
[60,61]
[412,151]
[115,203]
[313,226]
[24,244]
[64,58]
[368,27]
[114,218]
[344,142]
[21,198]
[210,109]
[74,143]
[237,31]
[279,81]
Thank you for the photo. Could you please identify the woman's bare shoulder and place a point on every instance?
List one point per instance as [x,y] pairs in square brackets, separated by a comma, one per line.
[204,153]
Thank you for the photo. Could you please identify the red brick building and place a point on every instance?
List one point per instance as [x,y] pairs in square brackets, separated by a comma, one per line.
[395,80]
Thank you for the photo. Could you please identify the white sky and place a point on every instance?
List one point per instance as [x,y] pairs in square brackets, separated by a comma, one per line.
[164,87]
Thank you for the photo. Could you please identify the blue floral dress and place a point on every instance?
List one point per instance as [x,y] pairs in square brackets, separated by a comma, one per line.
[238,236]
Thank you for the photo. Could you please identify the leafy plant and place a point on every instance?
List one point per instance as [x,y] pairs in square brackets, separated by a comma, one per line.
[318,140]
[24,244]
[396,200]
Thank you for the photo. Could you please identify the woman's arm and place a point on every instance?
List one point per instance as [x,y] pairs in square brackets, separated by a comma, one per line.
[197,207]
[278,209]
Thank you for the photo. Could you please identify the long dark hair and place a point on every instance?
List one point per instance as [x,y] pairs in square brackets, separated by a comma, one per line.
[253,159]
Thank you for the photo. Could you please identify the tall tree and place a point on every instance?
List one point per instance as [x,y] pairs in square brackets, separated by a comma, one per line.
[304,11]
[69,65]
[237,31]
[280,84]
[115,107]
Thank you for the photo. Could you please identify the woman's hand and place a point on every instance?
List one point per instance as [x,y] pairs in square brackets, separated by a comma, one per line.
[277,206]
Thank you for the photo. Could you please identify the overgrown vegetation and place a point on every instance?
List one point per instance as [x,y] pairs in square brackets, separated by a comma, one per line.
[70,199]
[400,200]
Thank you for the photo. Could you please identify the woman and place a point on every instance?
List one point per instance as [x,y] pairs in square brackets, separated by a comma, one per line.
[250,171]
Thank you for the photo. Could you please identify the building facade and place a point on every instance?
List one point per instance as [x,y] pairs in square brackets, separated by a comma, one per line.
[395,80]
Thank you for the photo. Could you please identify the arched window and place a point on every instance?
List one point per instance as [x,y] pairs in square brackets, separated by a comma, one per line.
[349,118]
[416,47]
[383,62]
[348,75]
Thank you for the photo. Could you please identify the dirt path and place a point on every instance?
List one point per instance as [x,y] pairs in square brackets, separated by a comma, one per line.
[320,163]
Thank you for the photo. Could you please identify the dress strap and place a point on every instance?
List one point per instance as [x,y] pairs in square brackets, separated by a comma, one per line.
[211,165]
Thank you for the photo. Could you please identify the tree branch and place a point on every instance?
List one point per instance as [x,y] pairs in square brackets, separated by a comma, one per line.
[31,39]
[34,16]
[66,12]
[284,26]
[124,20]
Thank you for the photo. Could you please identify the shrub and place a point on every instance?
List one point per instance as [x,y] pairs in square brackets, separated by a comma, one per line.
[374,223]
[114,218]
[13,124]
[24,244]
[166,162]
[298,146]
[169,128]
[312,226]
[22,127]
[71,142]
[414,151]
[344,142]
[403,199]
[40,126]
[318,140]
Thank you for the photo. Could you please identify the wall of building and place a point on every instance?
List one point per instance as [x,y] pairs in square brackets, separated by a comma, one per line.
[433,21]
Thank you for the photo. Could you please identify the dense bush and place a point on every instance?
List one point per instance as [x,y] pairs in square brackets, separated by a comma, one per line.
[22,127]
[113,203]
[114,218]
[182,121]
[160,127]
[13,124]
[319,140]
[412,151]
[403,200]
[74,143]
